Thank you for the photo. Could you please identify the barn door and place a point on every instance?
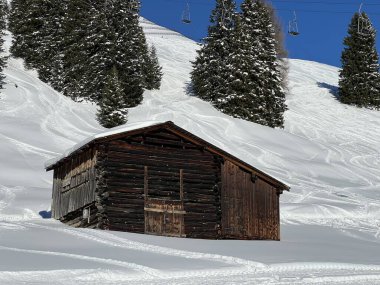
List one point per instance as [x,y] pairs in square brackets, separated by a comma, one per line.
[164,216]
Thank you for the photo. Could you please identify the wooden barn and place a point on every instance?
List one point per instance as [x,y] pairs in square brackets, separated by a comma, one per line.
[160,179]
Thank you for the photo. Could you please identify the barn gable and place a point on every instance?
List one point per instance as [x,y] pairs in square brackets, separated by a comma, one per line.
[163,180]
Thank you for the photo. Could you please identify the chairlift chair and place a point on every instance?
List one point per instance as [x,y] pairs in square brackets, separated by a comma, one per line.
[186,14]
[293,26]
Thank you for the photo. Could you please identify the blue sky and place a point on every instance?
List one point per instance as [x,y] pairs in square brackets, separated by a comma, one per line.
[322,23]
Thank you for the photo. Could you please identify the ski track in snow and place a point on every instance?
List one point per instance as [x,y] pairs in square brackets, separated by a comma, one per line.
[328,153]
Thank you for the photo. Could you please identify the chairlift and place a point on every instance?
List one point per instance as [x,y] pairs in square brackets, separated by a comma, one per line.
[293,26]
[364,25]
[186,14]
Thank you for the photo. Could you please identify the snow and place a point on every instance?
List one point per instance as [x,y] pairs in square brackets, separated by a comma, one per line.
[103,134]
[328,154]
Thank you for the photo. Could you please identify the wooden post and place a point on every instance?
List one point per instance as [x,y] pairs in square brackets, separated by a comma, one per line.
[181,184]
[181,197]
[145,182]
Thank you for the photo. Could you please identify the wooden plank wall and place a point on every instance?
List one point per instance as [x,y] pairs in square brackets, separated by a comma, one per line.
[237,202]
[75,219]
[74,184]
[250,206]
[267,211]
[164,155]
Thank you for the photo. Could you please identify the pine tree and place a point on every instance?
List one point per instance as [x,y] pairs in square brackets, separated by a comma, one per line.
[78,25]
[209,73]
[359,82]
[98,51]
[240,66]
[27,20]
[130,48]
[4,10]
[51,48]
[152,71]
[244,96]
[17,26]
[272,74]
[37,31]
[254,90]
[3,15]
[281,51]
[115,40]
[112,108]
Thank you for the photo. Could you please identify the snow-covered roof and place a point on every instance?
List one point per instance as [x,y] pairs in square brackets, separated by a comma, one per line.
[110,132]
[143,125]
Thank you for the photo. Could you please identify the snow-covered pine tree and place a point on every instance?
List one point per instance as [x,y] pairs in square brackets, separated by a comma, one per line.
[3,15]
[209,74]
[76,46]
[281,51]
[244,97]
[273,78]
[17,26]
[112,108]
[26,22]
[152,70]
[6,7]
[130,49]
[241,67]
[51,48]
[98,51]
[255,92]
[359,82]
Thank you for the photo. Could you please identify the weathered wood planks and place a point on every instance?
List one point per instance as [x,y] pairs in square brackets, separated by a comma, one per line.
[250,206]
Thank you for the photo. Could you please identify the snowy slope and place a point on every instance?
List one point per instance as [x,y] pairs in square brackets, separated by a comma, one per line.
[328,153]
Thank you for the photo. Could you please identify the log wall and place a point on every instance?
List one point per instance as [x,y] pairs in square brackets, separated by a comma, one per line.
[150,165]
[74,183]
[75,218]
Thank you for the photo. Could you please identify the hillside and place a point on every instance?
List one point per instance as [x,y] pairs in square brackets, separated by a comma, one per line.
[328,153]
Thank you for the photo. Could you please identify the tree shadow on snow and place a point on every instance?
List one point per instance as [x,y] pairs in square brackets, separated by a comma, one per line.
[45,214]
[333,90]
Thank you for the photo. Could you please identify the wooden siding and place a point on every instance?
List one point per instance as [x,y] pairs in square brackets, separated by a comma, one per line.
[153,163]
[164,217]
[75,218]
[74,184]
[250,206]
[266,211]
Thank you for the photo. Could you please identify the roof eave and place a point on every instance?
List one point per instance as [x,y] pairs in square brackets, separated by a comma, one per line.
[195,139]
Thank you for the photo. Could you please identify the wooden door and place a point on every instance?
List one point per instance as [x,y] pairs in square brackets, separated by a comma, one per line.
[164,217]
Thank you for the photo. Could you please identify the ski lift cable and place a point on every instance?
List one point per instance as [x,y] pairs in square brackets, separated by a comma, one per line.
[325,11]
[321,2]
[200,2]
[301,10]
